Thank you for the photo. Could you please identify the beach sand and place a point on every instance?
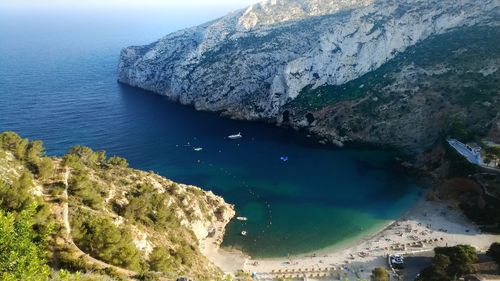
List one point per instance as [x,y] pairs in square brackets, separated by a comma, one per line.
[426,221]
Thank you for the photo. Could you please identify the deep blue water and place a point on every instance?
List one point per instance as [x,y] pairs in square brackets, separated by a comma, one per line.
[58,84]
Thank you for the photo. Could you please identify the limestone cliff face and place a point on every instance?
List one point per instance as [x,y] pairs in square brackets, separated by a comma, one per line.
[251,63]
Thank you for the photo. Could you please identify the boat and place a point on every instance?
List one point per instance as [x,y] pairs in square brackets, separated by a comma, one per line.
[198,149]
[244,233]
[235,136]
[284,158]
[242,218]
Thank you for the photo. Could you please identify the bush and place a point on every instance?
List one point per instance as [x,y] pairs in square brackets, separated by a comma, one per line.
[450,263]
[85,190]
[35,151]
[103,240]
[23,249]
[12,142]
[380,274]
[494,252]
[45,168]
[148,207]
[16,196]
[88,156]
[461,257]
[161,260]
[118,161]
[72,161]
[458,129]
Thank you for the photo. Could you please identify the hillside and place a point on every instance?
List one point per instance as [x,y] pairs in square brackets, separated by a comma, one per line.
[447,80]
[94,218]
[296,62]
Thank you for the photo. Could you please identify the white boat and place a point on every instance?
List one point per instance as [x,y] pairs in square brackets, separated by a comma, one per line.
[242,218]
[198,149]
[236,136]
[244,233]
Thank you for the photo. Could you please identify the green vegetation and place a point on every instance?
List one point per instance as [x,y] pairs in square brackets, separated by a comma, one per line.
[458,165]
[31,154]
[23,247]
[487,217]
[111,207]
[16,196]
[450,263]
[494,252]
[118,161]
[161,260]
[458,129]
[99,237]
[147,207]
[82,189]
[493,151]
[25,225]
[380,274]
[449,79]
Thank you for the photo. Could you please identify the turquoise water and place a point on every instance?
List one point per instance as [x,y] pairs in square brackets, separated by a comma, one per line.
[58,84]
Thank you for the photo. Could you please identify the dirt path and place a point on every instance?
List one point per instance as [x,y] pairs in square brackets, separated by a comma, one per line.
[81,254]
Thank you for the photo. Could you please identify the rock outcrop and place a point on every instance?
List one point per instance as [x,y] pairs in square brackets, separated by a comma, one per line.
[250,64]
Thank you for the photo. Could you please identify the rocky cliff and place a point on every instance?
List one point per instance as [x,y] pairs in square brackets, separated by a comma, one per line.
[255,63]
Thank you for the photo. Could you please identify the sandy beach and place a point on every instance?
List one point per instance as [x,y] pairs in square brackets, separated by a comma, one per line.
[425,226]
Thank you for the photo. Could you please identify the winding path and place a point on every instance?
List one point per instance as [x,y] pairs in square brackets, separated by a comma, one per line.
[81,254]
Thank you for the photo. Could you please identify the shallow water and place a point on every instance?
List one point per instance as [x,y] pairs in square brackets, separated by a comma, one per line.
[58,84]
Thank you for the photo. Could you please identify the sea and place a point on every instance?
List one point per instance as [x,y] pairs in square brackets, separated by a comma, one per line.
[58,84]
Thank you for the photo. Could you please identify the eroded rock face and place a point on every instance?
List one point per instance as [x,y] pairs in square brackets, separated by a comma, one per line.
[251,63]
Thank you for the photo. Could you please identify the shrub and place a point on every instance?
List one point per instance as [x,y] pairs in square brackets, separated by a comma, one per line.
[12,142]
[85,190]
[161,260]
[103,240]
[118,161]
[380,274]
[23,249]
[35,151]
[494,252]
[461,257]
[87,156]
[450,263]
[45,168]
[148,207]
[16,196]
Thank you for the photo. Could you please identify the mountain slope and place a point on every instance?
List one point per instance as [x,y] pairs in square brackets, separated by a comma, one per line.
[252,63]
[107,218]
[416,98]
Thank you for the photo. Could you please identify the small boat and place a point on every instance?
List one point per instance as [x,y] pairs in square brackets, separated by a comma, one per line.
[244,233]
[198,149]
[242,218]
[236,136]
[284,158]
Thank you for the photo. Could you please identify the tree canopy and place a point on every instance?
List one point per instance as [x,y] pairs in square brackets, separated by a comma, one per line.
[23,249]
[494,252]
[380,274]
[450,263]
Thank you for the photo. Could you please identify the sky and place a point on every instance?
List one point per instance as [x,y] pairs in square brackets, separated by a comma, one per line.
[226,5]
[154,18]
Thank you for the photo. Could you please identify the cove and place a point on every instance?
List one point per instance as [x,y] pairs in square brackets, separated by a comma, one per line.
[62,89]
